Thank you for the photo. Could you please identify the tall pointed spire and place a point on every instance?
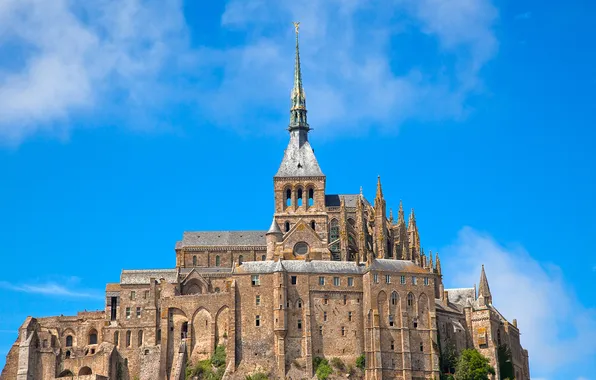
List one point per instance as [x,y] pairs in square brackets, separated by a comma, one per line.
[391,216]
[483,288]
[400,213]
[298,108]
[438,264]
[379,188]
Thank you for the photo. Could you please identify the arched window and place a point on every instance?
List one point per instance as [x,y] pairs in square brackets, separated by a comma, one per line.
[410,301]
[93,336]
[69,341]
[394,298]
[140,338]
[313,225]
[421,346]
[116,338]
[287,226]
[68,354]
[263,258]
[299,200]
[311,196]
[240,259]
[128,338]
[194,261]
[299,304]
[217,261]
[334,239]
[288,198]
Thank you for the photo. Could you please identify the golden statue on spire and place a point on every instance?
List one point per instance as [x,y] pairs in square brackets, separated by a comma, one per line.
[296,25]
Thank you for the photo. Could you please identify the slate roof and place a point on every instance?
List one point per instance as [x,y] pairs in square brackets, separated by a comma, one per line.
[136,277]
[461,297]
[351,200]
[222,238]
[299,160]
[390,265]
[299,266]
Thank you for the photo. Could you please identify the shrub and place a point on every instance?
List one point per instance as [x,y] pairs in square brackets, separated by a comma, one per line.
[323,371]
[338,364]
[473,366]
[361,362]
[317,361]
[257,376]
[219,356]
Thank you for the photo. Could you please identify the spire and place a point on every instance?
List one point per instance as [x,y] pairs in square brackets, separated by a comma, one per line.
[400,213]
[438,265]
[412,220]
[483,289]
[298,108]
[379,188]
[391,216]
[274,229]
[430,260]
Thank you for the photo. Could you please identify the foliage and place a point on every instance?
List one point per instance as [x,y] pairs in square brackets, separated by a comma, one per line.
[361,362]
[338,364]
[473,366]
[505,363]
[448,358]
[257,376]
[219,356]
[317,361]
[447,376]
[119,371]
[210,369]
[323,371]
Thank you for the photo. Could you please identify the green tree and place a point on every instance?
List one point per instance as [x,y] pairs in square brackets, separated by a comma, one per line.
[473,366]
[448,358]
[505,363]
[361,362]
[323,371]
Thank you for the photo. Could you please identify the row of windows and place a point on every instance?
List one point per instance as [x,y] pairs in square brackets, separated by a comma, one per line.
[402,279]
[138,312]
[299,195]
[218,260]
[128,338]
[92,338]
[133,294]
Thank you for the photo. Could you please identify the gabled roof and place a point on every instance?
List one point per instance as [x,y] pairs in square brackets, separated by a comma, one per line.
[130,277]
[390,265]
[300,266]
[222,238]
[299,160]
[351,200]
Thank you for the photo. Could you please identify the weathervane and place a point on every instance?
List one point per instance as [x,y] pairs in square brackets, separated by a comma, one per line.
[296,25]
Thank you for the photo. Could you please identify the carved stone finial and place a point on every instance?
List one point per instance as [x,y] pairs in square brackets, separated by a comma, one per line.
[296,25]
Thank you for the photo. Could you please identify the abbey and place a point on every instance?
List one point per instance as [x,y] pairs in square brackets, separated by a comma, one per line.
[333,276]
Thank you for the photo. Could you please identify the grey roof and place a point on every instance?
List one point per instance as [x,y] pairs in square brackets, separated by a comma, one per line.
[460,296]
[130,277]
[185,271]
[390,265]
[299,266]
[299,160]
[274,229]
[222,238]
[351,200]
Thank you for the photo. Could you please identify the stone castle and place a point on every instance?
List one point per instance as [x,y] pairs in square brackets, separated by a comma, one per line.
[332,277]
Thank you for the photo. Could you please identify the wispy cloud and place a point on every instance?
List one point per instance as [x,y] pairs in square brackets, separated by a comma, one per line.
[52,289]
[523,16]
[553,323]
[62,60]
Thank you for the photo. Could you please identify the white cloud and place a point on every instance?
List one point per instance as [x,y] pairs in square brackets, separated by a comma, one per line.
[69,289]
[556,329]
[77,55]
[120,57]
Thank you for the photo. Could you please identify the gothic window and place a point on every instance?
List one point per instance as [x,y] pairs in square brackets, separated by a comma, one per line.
[69,341]
[93,336]
[394,298]
[334,239]
[311,196]
[140,340]
[288,198]
[410,301]
[299,200]
[240,259]
[217,261]
[391,320]
[194,261]
[299,304]
[287,226]
[128,338]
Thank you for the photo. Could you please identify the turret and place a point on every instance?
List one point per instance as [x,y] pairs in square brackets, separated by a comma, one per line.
[273,236]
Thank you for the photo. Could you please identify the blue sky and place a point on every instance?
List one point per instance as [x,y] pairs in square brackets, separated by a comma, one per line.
[122,124]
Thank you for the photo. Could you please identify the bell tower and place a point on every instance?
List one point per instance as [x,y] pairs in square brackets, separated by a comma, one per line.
[299,184]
